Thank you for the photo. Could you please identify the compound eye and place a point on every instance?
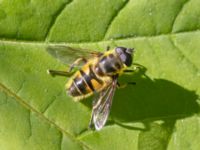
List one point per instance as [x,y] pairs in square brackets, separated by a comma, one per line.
[120,50]
[128,60]
[125,55]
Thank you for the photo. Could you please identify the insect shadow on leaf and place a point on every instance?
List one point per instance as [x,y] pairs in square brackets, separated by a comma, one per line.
[151,100]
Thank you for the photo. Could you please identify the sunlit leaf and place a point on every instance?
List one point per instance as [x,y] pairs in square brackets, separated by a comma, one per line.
[160,112]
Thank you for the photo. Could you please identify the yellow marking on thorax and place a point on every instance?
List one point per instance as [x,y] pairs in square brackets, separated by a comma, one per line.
[120,71]
[109,52]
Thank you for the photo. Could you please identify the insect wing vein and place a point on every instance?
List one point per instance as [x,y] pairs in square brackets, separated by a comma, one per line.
[102,109]
[68,55]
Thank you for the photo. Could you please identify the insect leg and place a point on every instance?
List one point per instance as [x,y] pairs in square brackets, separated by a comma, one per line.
[96,54]
[136,68]
[91,120]
[139,67]
[125,84]
[107,48]
[120,86]
[59,73]
[76,62]
[128,70]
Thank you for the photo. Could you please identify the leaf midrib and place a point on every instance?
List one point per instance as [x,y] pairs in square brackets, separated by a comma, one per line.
[17,41]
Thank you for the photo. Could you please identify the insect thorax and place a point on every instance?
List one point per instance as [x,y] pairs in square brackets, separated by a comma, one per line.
[109,64]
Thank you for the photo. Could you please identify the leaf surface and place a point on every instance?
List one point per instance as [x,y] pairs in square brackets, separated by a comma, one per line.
[160,112]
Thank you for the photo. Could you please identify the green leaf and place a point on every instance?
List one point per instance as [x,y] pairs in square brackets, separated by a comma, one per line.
[160,112]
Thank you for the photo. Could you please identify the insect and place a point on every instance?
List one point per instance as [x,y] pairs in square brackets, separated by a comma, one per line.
[97,75]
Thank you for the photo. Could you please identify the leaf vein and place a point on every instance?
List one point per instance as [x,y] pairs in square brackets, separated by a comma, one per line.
[61,141]
[39,114]
[114,17]
[183,55]
[55,18]
[21,86]
[51,102]
[30,125]
[175,18]
[156,57]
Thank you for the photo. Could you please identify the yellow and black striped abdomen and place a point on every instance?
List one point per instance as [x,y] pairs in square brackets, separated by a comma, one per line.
[85,82]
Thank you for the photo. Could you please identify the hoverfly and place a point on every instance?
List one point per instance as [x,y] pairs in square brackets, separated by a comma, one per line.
[97,75]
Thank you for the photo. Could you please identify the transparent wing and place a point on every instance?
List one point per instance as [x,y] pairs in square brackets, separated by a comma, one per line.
[101,108]
[68,55]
